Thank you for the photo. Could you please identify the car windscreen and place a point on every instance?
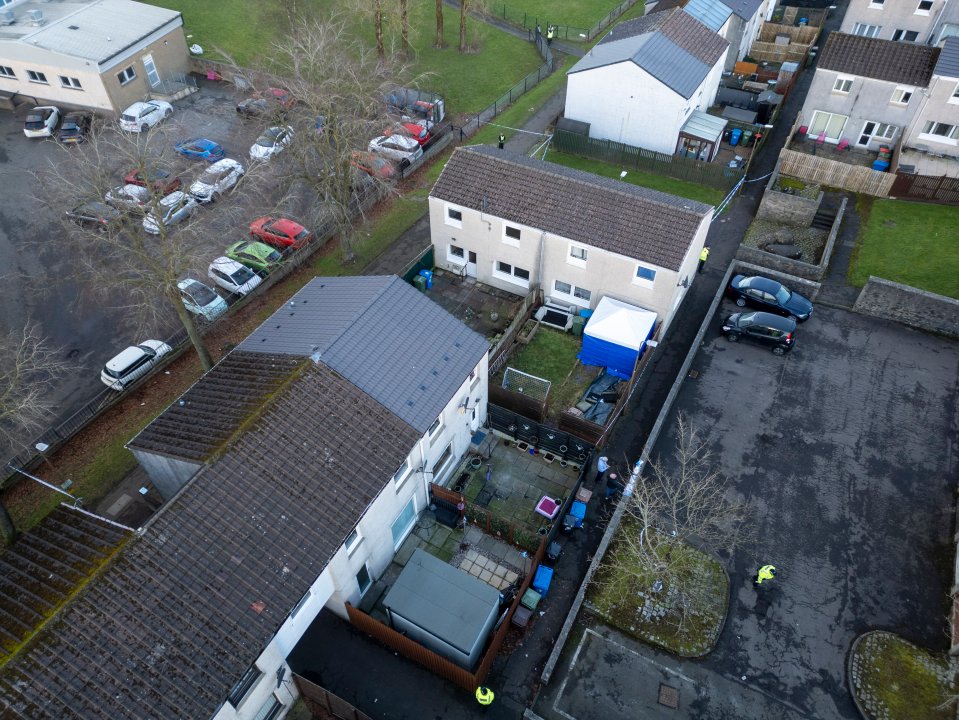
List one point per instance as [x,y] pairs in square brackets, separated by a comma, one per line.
[783,295]
[34,121]
[69,127]
[265,141]
[242,275]
[273,256]
[129,118]
[201,294]
[304,233]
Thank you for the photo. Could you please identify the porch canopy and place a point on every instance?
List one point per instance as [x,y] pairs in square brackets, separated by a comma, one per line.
[615,336]
[702,131]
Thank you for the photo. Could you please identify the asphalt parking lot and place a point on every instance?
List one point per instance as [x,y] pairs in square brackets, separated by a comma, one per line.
[845,450]
[41,279]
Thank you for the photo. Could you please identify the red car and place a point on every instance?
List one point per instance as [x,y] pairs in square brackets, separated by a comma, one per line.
[417,132]
[373,164]
[280,232]
[260,103]
[156,179]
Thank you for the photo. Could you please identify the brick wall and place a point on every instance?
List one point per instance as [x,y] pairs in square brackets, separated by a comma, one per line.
[780,264]
[901,303]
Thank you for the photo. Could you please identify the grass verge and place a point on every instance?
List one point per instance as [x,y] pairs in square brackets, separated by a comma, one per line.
[909,243]
[895,680]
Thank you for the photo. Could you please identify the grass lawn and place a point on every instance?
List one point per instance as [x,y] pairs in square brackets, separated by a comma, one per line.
[622,595]
[575,13]
[682,188]
[896,680]
[910,243]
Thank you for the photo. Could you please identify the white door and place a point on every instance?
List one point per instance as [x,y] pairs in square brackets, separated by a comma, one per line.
[152,75]
[471,265]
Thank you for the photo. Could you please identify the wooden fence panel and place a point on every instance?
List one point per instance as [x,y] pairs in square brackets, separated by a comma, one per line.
[771,52]
[802,34]
[319,701]
[518,403]
[833,173]
[926,188]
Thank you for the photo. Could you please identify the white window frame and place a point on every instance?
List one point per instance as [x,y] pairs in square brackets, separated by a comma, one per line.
[954,98]
[35,76]
[511,241]
[843,85]
[454,258]
[573,256]
[71,83]
[898,94]
[921,11]
[363,590]
[353,541]
[829,138]
[899,34]
[949,139]
[435,429]
[876,4]
[401,475]
[511,276]
[126,75]
[571,296]
[888,134]
[408,528]
[644,282]
[7,72]
[450,220]
[866,30]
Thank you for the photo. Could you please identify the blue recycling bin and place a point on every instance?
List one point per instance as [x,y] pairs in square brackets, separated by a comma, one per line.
[578,511]
[542,579]
[735,135]
[880,165]
[428,276]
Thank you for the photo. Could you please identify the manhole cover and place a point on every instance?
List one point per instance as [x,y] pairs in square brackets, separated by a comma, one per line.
[669,696]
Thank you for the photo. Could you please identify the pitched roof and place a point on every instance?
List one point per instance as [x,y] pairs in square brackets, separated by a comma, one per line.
[207,415]
[637,222]
[743,8]
[373,331]
[672,46]
[184,610]
[898,62]
[711,13]
[948,64]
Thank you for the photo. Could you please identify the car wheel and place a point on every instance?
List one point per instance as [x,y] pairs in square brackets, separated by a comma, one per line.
[167,113]
[732,337]
[779,350]
[741,301]
[144,127]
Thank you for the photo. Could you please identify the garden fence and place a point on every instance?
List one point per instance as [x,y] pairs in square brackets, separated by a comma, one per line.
[628,156]
[573,33]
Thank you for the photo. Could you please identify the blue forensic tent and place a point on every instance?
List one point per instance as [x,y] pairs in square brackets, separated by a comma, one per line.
[616,336]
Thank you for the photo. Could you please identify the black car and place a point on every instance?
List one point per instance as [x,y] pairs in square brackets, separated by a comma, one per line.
[95,214]
[768,295]
[773,331]
[75,128]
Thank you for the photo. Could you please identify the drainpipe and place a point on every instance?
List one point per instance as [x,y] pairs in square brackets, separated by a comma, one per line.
[539,264]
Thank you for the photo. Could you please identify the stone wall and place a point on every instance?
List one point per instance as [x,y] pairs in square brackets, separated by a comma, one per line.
[778,263]
[787,208]
[910,306]
[808,288]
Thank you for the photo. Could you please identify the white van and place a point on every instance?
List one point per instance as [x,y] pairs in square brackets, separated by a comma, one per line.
[133,363]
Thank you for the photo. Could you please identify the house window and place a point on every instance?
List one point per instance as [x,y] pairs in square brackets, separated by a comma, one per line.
[242,688]
[582,294]
[924,7]
[939,130]
[299,605]
[270,710]
[842,85]
[901,96]
[512,273]
[511,235]
[454,217]
[399,477]
[70,82]
[7,72]
[577,252]
[955,95]
[876,131]
[456,254]
[435,428]
[830,123]
[866,30]
[645,274]
[579,296]
[562,287]
[37,77]
[876,3]
[440,465]
[363,579]
[353,541]
[402,525]
[126,75]
[905,35]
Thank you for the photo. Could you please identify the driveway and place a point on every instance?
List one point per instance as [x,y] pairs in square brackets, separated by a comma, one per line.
[845,452]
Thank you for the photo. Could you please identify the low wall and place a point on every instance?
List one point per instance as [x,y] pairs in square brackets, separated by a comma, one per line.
[778,263]
[787,208]
[910,306]
[808,288]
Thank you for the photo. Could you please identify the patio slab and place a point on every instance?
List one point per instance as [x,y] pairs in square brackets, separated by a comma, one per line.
[485,309]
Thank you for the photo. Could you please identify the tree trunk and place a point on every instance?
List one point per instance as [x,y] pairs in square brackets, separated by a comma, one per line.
[8,531]
[405,27]
[378,28]
[439,24]
[206,362]
[463,11]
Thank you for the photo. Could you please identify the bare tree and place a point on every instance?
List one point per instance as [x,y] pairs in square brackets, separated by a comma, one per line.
[405,27]
[440,41]
[467,8]
[29,368]
[680,504]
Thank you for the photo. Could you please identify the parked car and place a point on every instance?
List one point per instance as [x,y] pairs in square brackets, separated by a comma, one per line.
[410,129]
[201,299]
[271,142]
[157,179]
[768,295]
[773,331]
[141,116]
[95,214]
[396,147]
[281,233]
[41,121]
[232,276]
[374,165]
[266,101]
[75,128]
[172,209]
[255,255]
[133,363]
[129,197]
[200,149]
[216,180]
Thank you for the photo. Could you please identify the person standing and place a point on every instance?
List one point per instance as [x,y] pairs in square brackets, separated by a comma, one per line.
[484,696]
[612,485]
[602,465]
[703,257]
[550,33]
[502,140]
[539,34]
[766,572]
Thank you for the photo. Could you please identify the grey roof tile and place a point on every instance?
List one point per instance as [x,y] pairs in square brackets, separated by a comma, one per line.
[745,9]
[898,62]
[637,222]
[711,13]
[948,64]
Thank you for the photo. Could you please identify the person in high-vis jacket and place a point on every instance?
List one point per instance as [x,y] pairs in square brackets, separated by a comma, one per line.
[484,696]
[766,572]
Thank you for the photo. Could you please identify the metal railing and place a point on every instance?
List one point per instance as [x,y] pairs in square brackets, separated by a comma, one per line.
[572,33]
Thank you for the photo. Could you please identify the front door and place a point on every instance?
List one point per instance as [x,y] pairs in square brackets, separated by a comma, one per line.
[152,75]
[471,265]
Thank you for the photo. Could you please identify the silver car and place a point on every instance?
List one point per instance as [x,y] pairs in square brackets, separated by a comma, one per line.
[396,147]
[216,180]
[200,299]
[172,209]
[133,363]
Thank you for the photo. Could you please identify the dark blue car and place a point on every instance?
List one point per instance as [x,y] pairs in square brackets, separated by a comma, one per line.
[768,295]
[200,149]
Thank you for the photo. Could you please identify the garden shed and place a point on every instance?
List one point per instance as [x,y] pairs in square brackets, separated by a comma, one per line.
[615,336]
[443,608]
